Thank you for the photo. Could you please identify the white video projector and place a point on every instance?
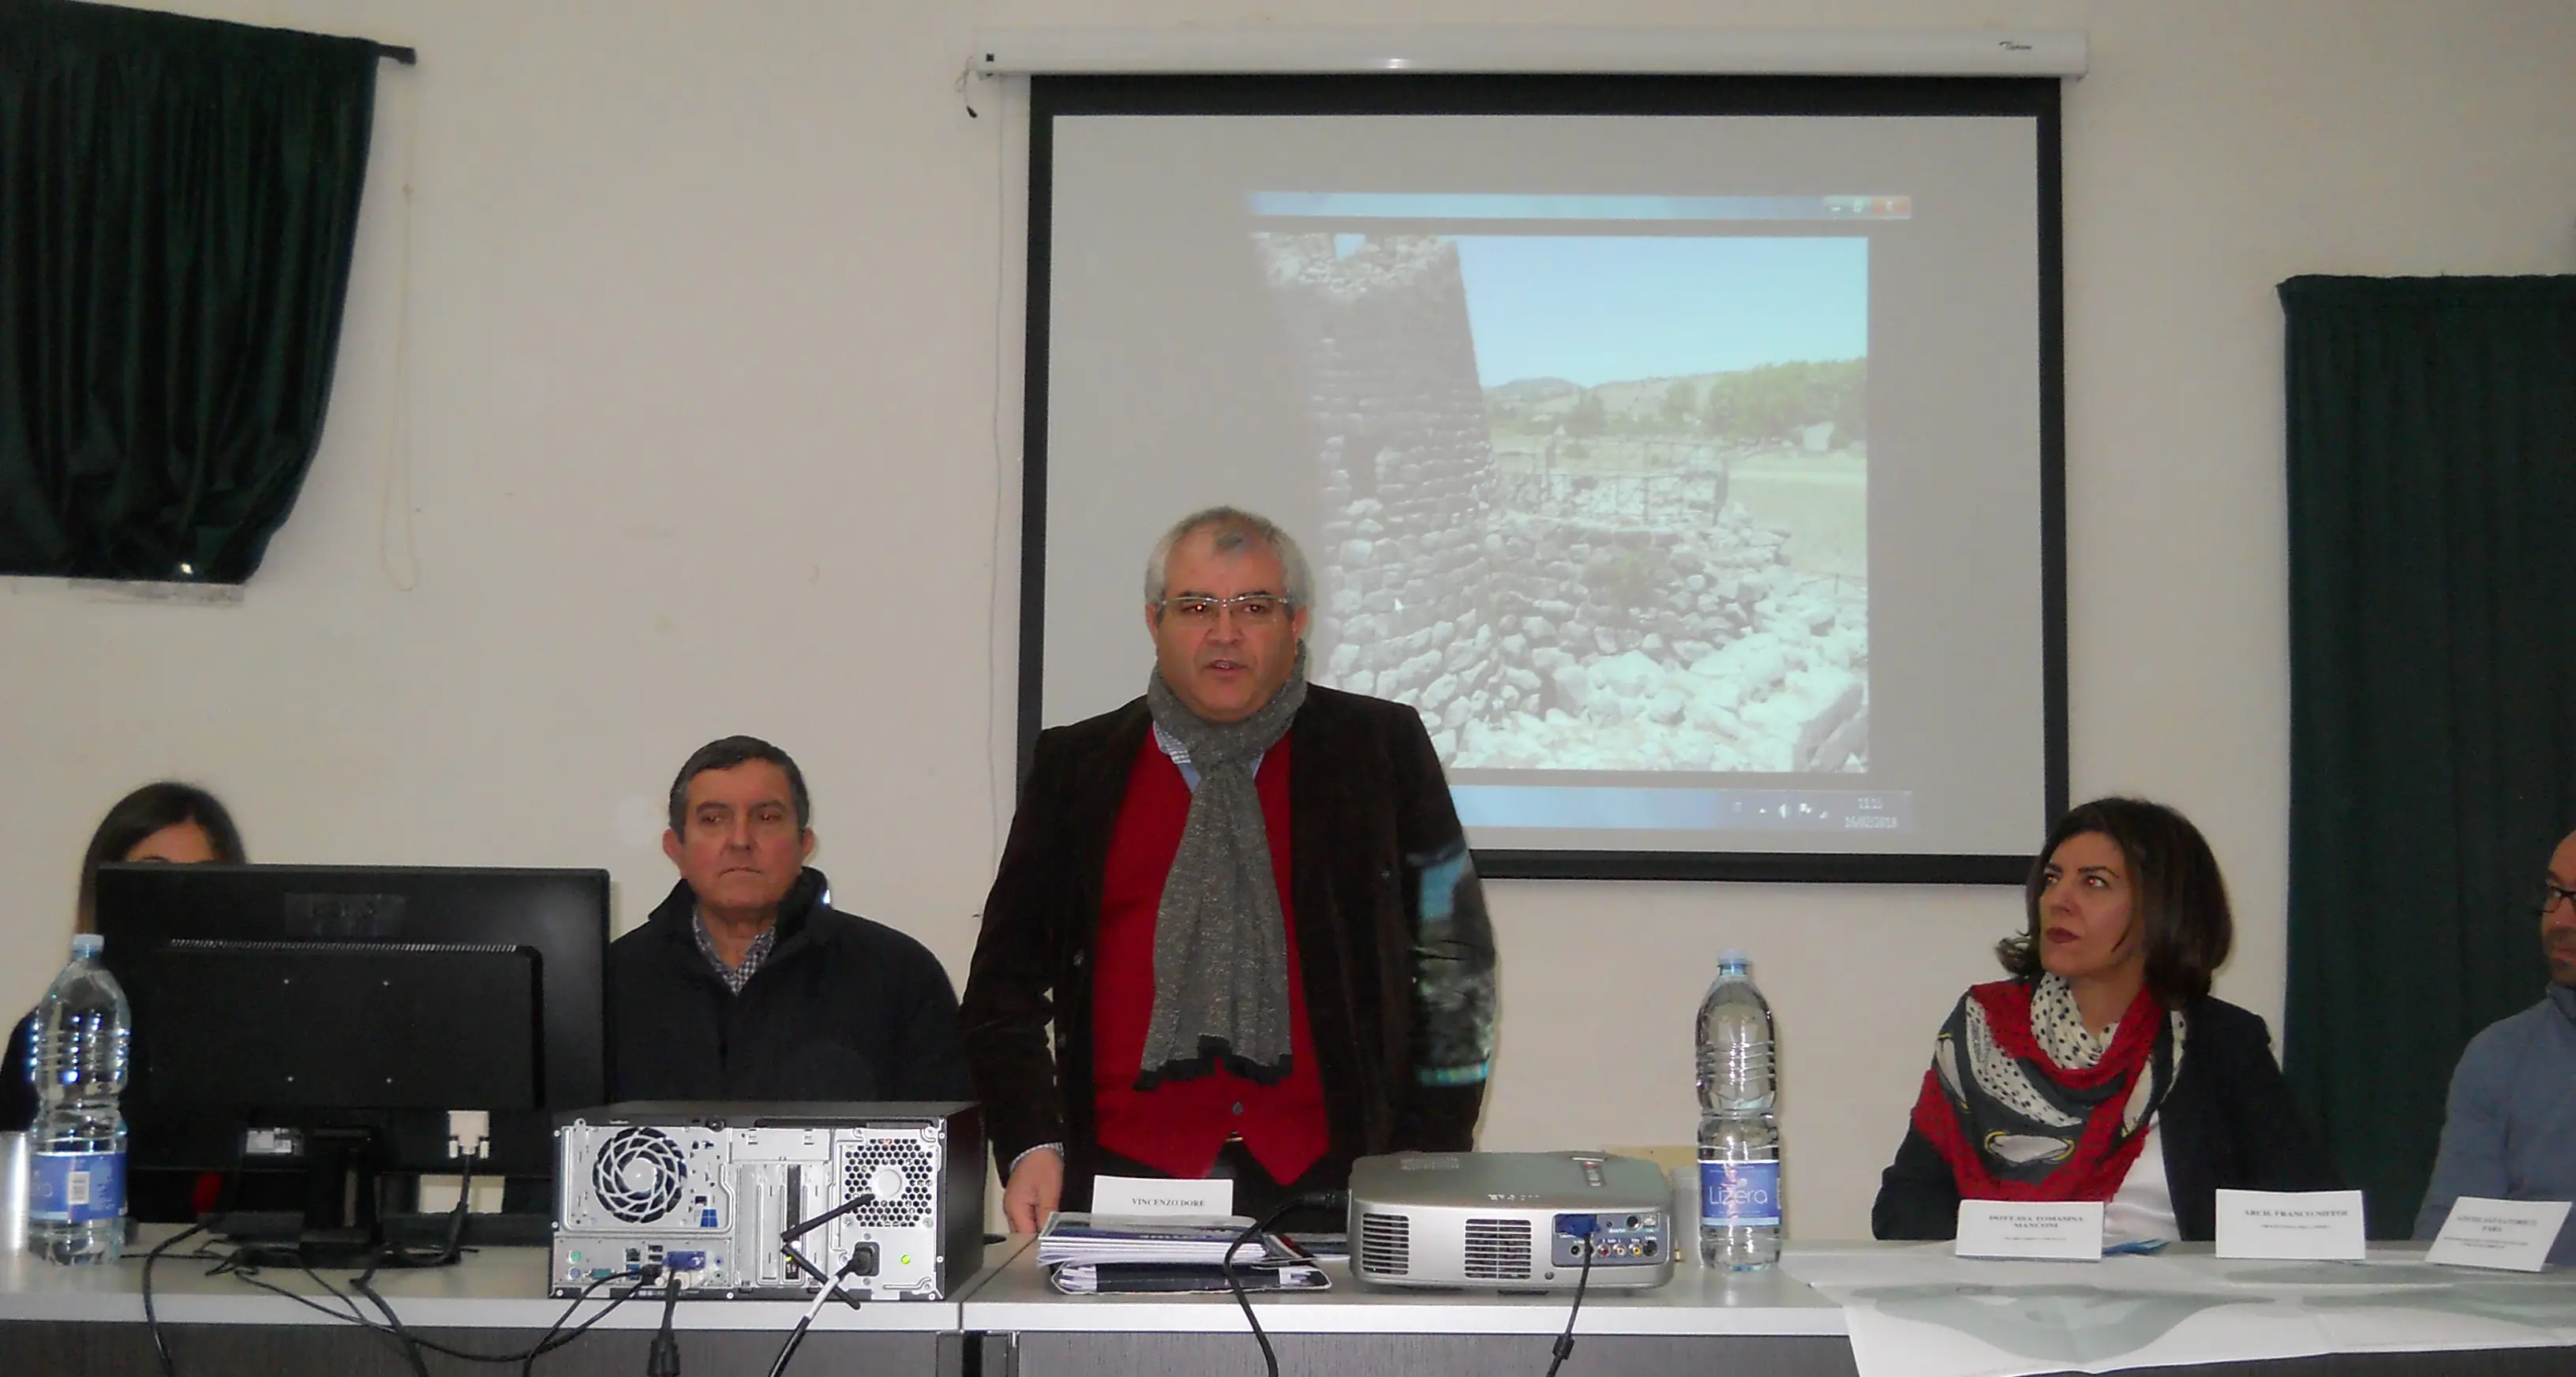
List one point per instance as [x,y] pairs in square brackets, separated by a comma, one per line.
[1516,1221]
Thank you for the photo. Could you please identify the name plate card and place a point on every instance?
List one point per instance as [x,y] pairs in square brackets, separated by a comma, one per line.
[2514,1235]
[1141,1195]
[2060,1231]
[2299,1226]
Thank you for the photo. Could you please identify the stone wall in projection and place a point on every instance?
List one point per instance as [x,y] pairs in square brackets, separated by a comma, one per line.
[1558,637]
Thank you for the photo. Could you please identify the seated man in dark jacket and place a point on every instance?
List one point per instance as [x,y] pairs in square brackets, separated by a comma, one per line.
[746,984]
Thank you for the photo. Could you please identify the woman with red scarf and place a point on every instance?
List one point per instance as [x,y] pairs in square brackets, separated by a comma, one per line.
[2103,1070]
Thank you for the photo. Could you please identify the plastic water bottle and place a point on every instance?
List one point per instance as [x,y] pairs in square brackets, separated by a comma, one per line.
[1739,1141]
[76,1157]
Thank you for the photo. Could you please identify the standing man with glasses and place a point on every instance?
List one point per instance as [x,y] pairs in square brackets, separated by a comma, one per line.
[1234,932]
[746,984]
[2511,1129]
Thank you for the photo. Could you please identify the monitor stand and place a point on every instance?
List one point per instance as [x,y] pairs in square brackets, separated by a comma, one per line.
[338,1227]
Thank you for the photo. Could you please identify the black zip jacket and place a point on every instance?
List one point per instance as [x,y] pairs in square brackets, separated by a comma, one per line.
[843,1009]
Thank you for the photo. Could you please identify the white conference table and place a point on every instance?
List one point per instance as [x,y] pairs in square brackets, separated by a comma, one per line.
[1702,1321]
[1006,1320]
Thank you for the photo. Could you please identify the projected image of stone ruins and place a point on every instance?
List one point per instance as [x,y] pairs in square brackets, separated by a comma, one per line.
[1664,574]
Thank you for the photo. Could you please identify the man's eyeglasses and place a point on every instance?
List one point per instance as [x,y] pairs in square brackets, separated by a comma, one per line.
[2552,894]
[1192,609]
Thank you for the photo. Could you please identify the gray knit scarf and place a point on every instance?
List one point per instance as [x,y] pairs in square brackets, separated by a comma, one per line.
[1220,938]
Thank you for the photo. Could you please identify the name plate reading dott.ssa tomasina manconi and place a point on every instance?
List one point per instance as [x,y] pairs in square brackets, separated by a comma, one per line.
[2065,1231]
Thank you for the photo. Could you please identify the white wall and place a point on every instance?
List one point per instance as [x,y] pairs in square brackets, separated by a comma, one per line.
[701,362]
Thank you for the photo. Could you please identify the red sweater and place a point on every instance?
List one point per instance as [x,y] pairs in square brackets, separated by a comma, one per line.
[1179,1126]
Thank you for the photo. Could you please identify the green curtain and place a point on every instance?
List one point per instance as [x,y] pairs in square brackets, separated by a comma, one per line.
[2432,486]
[178,200]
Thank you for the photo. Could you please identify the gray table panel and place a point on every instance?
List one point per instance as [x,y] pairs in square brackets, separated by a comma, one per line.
[1068,1354]
[1425,1355]
[498,1288]
[89,1320]
[235,1350]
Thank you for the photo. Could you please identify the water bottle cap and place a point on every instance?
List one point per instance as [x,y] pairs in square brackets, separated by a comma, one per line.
[1733,956]
[86,945]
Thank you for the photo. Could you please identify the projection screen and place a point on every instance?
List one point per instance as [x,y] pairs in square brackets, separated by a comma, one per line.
[1687,451]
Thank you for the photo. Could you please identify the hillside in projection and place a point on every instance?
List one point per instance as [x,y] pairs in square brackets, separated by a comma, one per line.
[1593,502]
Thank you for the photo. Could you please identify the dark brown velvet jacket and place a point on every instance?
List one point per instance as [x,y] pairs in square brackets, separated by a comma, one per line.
[1367,807]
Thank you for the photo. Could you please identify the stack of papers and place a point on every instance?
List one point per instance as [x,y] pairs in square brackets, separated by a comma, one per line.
[1089,1253]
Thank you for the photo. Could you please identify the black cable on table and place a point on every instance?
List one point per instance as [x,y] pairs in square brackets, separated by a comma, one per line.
[803,1227]
[1323,1200]
[831,1284]
[152,1319]
[554,1337]
[352,1315]
[796,1337]
[664,1360]
[361,1284]
[548,1342]
[1565,1341]
[443,1255]
[787,1243]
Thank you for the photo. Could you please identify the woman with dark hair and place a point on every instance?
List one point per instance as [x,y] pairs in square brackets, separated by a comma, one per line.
[2103,1070]
[177,823]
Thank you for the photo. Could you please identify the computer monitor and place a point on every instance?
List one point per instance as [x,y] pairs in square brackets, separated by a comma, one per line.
[321,1022]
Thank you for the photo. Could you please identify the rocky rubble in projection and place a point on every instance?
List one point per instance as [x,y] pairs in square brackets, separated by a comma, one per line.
[1560,635]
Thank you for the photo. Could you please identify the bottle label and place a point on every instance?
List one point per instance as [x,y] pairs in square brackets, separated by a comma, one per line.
[1739,1194]
[75,1187]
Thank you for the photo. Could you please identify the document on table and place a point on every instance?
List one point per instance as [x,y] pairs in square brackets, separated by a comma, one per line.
[1921,1312]
[1113,1278]
[1097,1237]
[1095,1253]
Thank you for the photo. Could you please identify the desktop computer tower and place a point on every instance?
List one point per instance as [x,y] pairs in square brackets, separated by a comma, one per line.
[708,1191]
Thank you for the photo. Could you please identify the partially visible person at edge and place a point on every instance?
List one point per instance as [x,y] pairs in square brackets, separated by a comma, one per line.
[746,984]
[179,824]
[2509,1132]
[2103,1069]
[1234,932]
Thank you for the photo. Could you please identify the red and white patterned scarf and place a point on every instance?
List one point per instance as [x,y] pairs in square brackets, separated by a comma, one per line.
[2025,1103]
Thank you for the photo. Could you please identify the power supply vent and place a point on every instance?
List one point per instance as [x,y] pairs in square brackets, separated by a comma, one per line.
[1386,1244]
[1498,1249]
[639,1175]
[898,1171]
